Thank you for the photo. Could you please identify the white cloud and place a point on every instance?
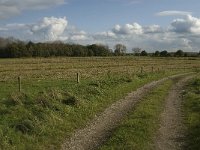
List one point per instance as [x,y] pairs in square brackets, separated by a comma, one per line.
[128,29]
[9,8]
[49,28]
[15,26]
[186,43]
[75,35]
[173,13]
[152,29]
[182,33]
[106,34]
[178,35]
[189,24]
[130,2]
[78,37]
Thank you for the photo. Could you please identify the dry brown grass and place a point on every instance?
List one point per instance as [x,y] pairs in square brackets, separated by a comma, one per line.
[63,67]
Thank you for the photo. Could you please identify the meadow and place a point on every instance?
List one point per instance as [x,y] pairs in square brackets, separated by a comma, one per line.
[192,114]
[89,67]
[52,104]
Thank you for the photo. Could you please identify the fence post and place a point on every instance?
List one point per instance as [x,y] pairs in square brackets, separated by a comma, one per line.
[19,84]
[78,78]
[152,69]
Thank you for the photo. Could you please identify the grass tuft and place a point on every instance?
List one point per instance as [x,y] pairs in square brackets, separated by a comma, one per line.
[17,98]
[71,101]
[25,126]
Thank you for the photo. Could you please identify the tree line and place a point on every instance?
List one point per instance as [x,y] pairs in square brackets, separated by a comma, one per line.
[12,48]
[165,53]
[30,49]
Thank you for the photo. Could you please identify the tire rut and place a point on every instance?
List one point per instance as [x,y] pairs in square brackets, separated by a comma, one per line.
[100,128]
[170,135]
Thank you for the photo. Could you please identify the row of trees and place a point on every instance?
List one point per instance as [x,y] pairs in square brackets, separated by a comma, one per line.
[21,49]
[12,48]
[164,53]
[16,49]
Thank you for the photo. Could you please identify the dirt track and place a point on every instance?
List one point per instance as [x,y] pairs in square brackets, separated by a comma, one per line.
[170,135]
[99,129]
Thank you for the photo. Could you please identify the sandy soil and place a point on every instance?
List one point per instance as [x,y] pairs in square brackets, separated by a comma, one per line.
[101,127]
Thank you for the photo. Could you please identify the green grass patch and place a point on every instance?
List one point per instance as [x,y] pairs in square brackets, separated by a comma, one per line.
[192,114]
[47,112]
[138,129]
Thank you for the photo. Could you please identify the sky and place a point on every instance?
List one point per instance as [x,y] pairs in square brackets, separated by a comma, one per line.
[149,24]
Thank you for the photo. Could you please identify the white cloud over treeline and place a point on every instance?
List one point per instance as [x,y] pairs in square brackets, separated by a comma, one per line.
[181,33]
[49,28]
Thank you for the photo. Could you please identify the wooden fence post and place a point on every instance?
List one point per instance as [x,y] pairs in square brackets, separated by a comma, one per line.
[19,84]
[78,78]
[152,69]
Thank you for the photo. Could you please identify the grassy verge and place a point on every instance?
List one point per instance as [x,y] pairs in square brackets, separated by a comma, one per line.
[192,114]
[138,129]
[45,113]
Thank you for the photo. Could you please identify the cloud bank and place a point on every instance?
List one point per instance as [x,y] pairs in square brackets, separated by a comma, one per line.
[181,33]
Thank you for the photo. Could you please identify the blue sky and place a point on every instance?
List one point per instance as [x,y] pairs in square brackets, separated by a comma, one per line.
[149,24]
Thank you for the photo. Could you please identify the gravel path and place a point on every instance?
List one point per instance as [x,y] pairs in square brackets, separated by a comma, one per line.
[170,135]
[99,129]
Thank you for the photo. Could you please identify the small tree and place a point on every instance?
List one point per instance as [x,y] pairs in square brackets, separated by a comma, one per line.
[164,53]
[157,53]
[185,54]
[179,53]
[136,51]
[120,49]
[144,53]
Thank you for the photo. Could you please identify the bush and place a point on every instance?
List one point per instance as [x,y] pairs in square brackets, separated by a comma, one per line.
[72,101]
[144,53]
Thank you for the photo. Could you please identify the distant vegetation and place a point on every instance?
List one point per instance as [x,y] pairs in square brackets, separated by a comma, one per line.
[12,48]
[21,49]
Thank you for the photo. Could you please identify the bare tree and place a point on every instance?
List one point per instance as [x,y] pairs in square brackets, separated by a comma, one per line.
[120,49]
[137,51]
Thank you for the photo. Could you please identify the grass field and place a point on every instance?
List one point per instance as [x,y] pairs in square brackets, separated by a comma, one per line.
[52,105]
[40,73]
[192,114]
[66,68]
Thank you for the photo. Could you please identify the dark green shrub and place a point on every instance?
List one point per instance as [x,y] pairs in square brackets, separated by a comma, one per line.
[72,101]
